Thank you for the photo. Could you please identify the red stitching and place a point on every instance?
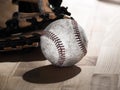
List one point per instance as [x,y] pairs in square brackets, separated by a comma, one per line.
[78,37]
[59,45]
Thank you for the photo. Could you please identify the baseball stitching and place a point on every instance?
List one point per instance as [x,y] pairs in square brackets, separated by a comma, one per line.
[78,37]
[59,45]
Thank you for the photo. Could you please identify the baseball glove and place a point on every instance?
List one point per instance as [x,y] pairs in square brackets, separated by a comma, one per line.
[25,27]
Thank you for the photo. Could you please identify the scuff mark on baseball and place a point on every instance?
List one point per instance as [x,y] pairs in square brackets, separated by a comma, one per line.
[64,42]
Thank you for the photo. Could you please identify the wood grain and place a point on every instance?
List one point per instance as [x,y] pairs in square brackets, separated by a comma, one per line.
[109,56]
[105,82]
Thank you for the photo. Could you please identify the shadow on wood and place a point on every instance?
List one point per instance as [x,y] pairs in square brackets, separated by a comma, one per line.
[33,54]
[51,74]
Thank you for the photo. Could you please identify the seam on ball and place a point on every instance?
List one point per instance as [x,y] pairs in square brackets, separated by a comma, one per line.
[59,45]
[78,37]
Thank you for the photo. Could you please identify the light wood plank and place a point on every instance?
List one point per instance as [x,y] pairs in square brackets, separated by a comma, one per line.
[109,58]
[7,68]
[88,61]
[3,80]
[105,82]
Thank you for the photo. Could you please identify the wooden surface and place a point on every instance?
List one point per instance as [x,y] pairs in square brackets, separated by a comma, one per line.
[108,62]
[28,70]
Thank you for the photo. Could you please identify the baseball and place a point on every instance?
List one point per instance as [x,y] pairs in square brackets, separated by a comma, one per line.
[64,42]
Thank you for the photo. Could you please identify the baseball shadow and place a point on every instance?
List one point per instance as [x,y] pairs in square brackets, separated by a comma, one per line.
[26,55]
[51,74]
